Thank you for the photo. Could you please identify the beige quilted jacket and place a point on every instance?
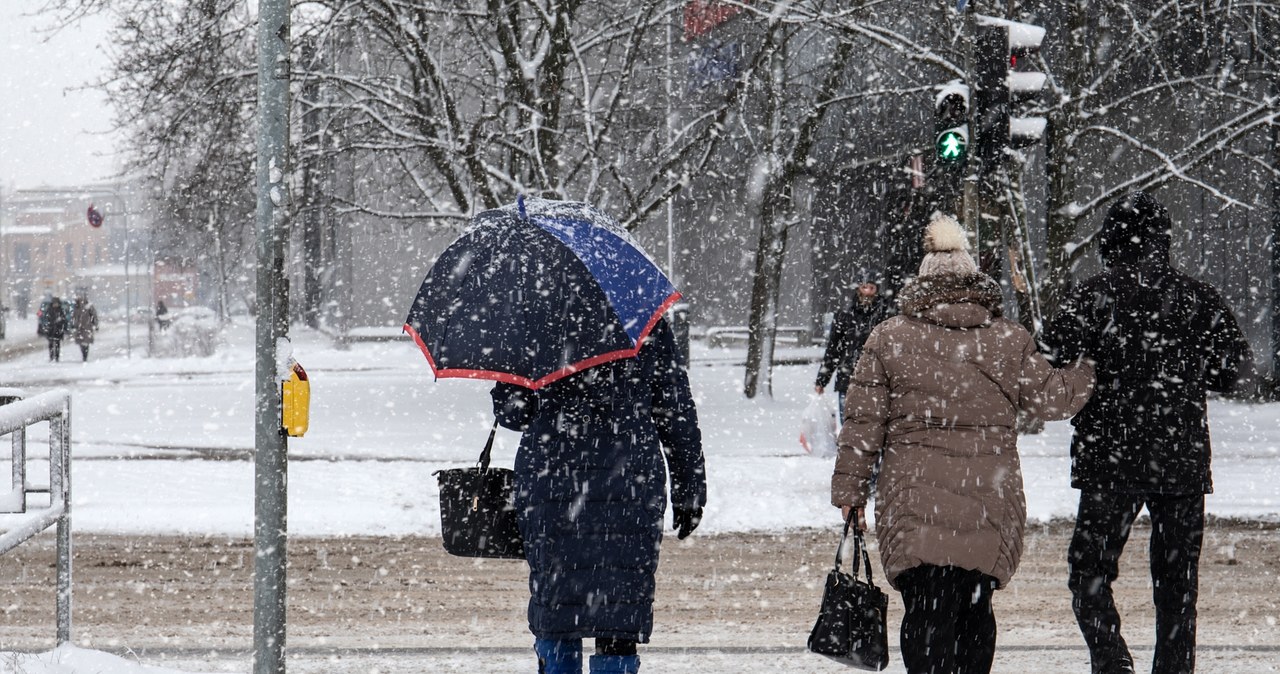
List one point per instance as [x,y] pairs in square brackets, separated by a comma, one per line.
[937,391]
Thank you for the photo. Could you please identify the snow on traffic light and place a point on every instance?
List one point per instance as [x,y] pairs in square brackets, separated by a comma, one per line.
[951,123]
[1025,84]
[1004,81]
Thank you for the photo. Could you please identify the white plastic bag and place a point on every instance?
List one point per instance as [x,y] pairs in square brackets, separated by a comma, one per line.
[818,427]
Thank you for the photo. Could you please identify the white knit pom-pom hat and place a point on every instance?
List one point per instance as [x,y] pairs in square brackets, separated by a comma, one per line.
[946,248]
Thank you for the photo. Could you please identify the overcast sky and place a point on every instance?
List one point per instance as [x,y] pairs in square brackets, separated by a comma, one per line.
[51,133]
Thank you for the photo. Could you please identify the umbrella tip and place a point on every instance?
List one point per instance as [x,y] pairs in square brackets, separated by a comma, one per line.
[520,205]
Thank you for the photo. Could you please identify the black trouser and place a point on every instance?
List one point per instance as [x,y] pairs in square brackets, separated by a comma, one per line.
[84,351]
[55,348]
[948,627]
[1102,528]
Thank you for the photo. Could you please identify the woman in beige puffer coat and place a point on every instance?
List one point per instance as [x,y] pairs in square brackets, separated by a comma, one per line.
[936,397]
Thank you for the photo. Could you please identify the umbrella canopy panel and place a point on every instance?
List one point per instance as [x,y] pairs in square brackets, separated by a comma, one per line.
[530,296]
[635,287]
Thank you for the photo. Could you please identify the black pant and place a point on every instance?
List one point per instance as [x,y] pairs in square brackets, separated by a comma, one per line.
[948,627]
[84,351]
[1102,528]
[55,348]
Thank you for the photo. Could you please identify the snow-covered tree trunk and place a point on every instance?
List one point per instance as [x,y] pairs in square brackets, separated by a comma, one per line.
[795,147]
[766,283]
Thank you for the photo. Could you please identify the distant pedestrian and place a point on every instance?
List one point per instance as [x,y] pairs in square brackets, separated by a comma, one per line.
[849,330]
[1160,339]
[84,323]
[53,325]
[937,393]
[162,316]
[590,496]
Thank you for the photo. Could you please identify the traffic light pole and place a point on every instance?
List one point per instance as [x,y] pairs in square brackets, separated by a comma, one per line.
[1274,393]
[974,166]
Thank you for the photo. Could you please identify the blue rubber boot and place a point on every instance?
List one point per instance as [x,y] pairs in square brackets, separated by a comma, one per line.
[615,664]
[559,656]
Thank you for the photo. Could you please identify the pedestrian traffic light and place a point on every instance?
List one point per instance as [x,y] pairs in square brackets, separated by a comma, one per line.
[1003,79]
[951,123]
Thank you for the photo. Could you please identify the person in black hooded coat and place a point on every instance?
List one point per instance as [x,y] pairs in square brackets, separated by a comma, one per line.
[590,496]
[849,331]
[1160,340]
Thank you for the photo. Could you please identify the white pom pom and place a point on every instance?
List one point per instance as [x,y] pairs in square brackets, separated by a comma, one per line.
[944,234]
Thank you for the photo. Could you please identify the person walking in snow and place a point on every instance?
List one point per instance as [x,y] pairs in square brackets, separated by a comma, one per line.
[1160,340]
[162,316]
[53,325]
[590,496]
[84,323]
[936,396]
[849,331]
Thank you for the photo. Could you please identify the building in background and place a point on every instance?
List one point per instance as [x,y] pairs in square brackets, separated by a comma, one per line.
[49,245]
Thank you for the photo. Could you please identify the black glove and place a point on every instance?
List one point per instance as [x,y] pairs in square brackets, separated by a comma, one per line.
[685,520]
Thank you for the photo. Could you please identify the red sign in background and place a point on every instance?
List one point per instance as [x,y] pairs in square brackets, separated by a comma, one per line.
[700,16]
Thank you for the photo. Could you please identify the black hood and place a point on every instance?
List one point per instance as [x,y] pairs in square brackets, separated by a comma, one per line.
[1136,228]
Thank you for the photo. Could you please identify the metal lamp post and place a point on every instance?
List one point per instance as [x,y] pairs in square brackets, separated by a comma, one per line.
[270,527]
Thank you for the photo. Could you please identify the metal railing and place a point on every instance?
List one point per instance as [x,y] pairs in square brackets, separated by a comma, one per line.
[55,408]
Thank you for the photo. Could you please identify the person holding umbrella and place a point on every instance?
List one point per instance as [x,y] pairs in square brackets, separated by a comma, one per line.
[556,303]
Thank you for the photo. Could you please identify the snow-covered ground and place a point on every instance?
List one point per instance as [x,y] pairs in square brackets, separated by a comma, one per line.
[380,425]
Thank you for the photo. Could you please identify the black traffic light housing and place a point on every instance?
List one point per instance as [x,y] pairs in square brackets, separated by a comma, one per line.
[951,124]
[1003,81]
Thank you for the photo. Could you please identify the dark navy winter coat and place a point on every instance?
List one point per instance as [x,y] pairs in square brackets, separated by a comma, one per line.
[591,487]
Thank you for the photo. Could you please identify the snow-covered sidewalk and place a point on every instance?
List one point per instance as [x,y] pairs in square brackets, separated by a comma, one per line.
[380,425]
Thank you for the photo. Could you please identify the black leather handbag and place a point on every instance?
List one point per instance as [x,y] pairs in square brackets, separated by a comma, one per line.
[477,510]
[851,624]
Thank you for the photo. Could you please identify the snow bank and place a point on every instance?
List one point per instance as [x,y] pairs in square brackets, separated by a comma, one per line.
[71,660]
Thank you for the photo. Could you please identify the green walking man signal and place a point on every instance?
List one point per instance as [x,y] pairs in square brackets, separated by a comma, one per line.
[952,144]
[951,124]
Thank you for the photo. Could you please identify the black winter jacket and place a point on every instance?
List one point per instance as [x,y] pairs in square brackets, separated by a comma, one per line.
[849,331]
[1160,339]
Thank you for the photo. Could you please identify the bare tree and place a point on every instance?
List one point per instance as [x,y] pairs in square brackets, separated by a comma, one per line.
[453,106]
[1147,95]
[787,139]
[181,86]
[466,104]
[807,76]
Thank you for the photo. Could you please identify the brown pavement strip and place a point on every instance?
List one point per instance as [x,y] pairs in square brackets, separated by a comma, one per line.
[729,593]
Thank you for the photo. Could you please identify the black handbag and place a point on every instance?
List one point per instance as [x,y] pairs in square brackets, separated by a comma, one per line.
[477,510]
[851,624]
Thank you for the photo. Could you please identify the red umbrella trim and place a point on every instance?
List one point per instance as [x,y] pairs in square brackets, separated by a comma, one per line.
[554,376]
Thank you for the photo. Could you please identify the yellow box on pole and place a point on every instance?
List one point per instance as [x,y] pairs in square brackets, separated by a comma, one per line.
[295,404]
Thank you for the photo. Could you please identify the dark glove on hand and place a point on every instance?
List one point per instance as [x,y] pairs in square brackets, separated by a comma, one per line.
[685,520]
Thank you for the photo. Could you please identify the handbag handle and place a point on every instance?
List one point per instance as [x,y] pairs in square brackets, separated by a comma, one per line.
[483,462]
[859,545]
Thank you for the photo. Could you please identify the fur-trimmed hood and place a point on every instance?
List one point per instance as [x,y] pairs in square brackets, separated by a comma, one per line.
[953,300]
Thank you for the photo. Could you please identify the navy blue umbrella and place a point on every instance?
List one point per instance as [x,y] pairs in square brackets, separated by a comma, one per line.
[535,291]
